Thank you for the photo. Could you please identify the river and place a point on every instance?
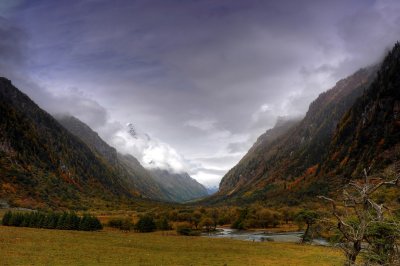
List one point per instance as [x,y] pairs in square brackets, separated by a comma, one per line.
[261,236]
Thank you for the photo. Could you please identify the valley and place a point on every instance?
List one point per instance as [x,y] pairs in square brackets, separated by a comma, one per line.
[199,133]
[58,165]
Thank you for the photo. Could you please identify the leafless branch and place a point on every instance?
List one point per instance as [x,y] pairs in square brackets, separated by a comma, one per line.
[394,182]
[339,219]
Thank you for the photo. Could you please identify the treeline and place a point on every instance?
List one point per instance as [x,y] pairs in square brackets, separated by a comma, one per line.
[194,220]
[253,216]
[52,220]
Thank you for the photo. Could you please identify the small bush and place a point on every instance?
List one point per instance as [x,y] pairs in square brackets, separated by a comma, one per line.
[121,224]
[145,224]
[163,224]
[206,224]
[115,223]
[126,225]
[238,224]
[185,229]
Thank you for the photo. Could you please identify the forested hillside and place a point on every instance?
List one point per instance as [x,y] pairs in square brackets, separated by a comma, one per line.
[42,164]
[352,126]
[291,152]
[368,135]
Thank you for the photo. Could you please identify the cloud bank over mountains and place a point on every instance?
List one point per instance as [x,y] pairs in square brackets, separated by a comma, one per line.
[203,78]
[150,152]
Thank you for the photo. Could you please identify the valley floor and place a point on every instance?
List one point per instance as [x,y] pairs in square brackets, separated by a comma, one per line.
[28,246]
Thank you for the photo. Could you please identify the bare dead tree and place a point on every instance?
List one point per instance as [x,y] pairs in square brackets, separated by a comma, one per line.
[358,211]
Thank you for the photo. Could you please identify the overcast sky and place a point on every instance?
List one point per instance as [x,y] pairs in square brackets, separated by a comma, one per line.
[202,78]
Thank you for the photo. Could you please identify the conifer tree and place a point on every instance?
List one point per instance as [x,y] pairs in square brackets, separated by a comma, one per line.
[61,221]
[16,219]
[84,224]
[145,224]
[6,218]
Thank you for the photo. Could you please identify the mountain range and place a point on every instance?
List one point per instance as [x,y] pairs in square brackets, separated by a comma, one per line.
[158,184]
[62,162]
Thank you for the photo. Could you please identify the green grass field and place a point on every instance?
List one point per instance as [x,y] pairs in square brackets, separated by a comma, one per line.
[27,246]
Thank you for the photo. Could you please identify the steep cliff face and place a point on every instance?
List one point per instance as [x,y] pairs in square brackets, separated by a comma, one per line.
[368,134]
[43,164]
[287,155]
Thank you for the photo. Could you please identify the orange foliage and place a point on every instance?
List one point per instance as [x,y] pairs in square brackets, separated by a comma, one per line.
[311,170]
[26,203]
[67,178]
[334,156]
[295,182]
[344,161]
[8,188]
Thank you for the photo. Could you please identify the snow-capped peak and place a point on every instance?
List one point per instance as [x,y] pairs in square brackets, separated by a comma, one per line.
[152,153]
[132,130]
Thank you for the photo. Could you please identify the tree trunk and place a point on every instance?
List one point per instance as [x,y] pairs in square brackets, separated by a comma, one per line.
[303,240]
[352,255]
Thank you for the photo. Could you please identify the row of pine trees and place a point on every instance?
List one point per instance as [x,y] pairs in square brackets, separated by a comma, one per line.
[52,220]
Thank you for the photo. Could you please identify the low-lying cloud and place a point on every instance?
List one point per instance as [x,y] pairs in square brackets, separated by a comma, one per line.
[150,152]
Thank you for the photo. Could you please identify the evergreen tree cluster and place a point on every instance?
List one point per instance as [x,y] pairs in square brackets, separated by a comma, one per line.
[52,220]
[145,224]
[122,224]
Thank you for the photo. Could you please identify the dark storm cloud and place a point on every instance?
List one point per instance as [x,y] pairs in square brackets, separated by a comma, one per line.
[12,41]
[208,76]
[14,64]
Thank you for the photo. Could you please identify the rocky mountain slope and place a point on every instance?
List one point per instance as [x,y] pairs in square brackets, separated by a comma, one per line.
[368,135]
[285,163]
[91,138]
[42,164]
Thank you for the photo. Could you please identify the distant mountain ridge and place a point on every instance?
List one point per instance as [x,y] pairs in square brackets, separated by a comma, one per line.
[152,183]
[178,185]
[128,167]
[211,190]
[181,186]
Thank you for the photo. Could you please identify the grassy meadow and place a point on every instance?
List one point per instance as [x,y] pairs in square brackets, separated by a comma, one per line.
[28,246]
